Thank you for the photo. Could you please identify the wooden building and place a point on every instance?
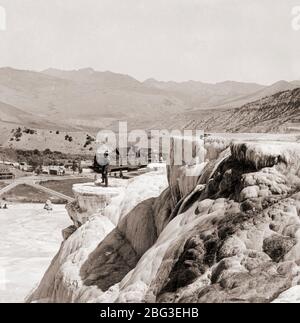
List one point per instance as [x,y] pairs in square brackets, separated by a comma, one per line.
[6,173]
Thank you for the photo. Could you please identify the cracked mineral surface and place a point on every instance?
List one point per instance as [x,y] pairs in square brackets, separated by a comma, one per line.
[229,233]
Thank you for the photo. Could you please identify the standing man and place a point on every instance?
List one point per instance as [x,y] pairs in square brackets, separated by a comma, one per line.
[105,168]
[103,162]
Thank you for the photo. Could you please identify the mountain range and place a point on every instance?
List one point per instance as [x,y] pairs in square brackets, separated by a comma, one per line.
[278,113]
[82,100]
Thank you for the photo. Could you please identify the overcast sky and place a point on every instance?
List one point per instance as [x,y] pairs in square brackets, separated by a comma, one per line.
[205,40]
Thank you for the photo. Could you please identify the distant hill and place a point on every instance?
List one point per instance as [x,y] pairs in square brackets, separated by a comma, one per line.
[10,114]
[220,95]
[297,83]
[14,116]
[276,113]
[85,99]
[101,79]
[265,92]
[67,142]
[204,95]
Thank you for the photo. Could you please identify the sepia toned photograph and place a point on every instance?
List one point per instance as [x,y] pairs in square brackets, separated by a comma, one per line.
[149,154]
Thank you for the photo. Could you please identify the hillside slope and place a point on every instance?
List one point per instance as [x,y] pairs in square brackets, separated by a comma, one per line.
[88,100]
[219,96]
[277,87]
[81,99]
[13,116]
[205,95]
[277,113]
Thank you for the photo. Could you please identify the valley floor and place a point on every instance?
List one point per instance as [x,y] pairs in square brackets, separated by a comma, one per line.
[29,239]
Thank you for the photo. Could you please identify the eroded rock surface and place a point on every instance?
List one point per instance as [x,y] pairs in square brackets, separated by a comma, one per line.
[230,233]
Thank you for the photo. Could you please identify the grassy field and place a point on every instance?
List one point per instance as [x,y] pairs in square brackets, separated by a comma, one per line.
[64,186]
[27,194]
